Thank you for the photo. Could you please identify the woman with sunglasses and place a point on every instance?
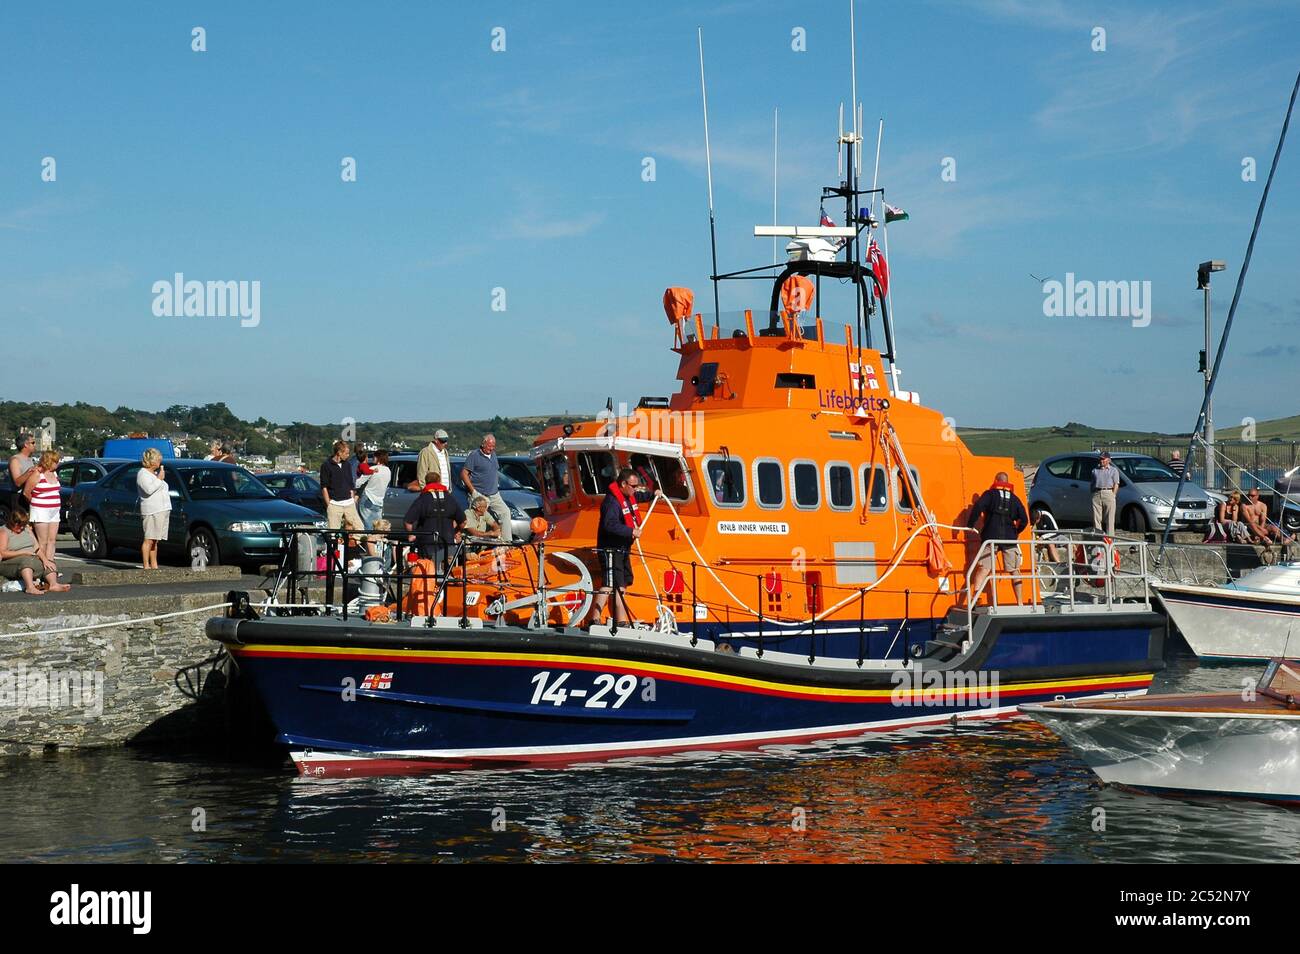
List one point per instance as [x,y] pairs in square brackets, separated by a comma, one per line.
[20,561]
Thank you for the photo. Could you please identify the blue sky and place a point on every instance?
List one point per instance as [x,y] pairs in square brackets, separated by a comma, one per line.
[522,170]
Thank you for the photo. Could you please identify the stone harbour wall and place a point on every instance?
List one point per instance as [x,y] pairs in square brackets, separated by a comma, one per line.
[103,686]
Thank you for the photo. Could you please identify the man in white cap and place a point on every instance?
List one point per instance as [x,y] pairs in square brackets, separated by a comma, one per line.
[434,456]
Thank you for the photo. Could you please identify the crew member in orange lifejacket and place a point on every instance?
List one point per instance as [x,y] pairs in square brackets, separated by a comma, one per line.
[620,524]
[435,519]
[1004,518]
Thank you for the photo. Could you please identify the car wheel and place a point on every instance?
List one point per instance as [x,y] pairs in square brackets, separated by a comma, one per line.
[1135,520]
[203,549]
[93,539]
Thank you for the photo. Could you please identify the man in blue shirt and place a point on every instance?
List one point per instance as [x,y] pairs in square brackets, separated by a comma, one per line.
[1105,484]
[482,475]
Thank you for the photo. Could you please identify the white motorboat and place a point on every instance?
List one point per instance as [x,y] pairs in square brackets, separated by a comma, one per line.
[1251,619]
[1243,744]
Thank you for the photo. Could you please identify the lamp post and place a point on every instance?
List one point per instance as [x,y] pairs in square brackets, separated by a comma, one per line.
[1203,271]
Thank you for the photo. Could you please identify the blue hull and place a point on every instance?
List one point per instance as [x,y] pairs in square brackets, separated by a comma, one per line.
[355,697]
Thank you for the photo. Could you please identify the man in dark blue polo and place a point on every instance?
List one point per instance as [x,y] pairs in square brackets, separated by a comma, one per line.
[338,489]
[482,475]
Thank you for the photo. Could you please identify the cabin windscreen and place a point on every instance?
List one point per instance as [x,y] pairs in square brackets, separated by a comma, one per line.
[556,484]
[596,471]
[667,474]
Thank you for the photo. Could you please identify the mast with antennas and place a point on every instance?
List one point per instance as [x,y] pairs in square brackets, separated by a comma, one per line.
[708,166]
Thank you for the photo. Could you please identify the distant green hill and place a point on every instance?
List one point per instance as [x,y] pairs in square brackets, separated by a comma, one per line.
[1029,445]
[81,429]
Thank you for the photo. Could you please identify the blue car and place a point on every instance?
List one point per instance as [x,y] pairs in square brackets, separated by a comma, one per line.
[220,513]
[82,470]
[302,489]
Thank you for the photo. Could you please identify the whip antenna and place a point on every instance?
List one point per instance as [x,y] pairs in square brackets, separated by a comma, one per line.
[776,129]
[708,168]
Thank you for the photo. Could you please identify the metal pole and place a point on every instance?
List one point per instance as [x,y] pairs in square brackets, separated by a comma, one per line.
[1232,308]
[1209,399]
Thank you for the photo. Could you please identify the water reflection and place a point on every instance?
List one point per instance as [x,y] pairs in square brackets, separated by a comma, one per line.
[1006,792]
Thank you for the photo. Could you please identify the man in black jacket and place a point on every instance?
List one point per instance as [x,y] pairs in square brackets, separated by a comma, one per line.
[620,524]
[434,519]
[1004,518]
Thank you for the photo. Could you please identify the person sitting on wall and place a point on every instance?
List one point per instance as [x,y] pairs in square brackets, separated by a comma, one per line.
[20,560]
[1255,512]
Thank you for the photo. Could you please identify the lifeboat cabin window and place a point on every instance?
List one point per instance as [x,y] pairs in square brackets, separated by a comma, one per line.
[878,494]
[905,503]
[805,485]
[662,473]
[555,478]
[726,481]
[596,472]
[839,486]
[769,484]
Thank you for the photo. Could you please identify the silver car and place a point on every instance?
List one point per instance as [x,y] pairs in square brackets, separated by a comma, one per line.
[1063,487]
[523,504]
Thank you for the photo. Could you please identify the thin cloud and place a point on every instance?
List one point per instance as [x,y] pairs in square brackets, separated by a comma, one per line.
[1275,351]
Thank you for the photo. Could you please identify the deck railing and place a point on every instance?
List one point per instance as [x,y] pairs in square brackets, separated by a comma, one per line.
[1084,571]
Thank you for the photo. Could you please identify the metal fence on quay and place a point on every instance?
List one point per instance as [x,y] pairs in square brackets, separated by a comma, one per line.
[1239,465]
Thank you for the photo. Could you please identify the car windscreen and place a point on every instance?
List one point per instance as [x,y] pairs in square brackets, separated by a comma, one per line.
[1145,470]
[224,483]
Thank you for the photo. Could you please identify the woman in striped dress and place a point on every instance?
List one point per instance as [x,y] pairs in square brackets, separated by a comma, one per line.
[43,492]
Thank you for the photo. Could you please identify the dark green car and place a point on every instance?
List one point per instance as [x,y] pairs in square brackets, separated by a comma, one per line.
[220,513]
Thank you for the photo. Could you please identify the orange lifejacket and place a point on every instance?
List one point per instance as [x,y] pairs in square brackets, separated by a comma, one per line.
[797,294]
[418,600]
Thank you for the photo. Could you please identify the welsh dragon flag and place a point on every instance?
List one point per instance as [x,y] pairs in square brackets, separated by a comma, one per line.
[894,215]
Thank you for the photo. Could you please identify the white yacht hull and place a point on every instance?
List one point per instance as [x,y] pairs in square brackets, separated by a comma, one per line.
[1233,623]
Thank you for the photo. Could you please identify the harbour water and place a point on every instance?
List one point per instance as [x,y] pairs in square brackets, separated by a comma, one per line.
[999,792]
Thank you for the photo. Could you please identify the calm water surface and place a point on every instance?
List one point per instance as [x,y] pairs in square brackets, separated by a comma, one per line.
[1002,792]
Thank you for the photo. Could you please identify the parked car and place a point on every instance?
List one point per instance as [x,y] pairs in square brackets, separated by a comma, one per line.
[301,489]
[1063,488]
[219,509]
[7,491]
[523,504]
[522,470]
[1286,500]
[78,472]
